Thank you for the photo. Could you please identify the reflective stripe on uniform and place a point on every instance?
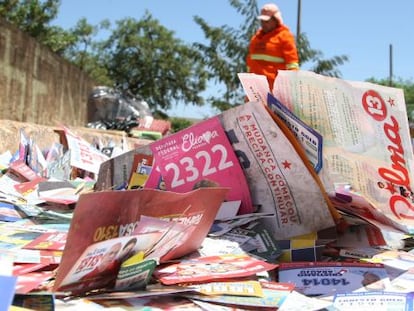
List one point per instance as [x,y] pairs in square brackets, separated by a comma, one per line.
[268,58]
[292,66]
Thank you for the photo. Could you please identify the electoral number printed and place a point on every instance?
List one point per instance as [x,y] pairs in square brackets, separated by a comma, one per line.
[88,263]
[325,282]
[188,169]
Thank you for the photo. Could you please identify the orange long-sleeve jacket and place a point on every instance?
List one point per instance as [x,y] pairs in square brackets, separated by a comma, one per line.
[272,51]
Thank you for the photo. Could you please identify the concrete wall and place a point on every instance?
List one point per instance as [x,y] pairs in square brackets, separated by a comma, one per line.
[38,86]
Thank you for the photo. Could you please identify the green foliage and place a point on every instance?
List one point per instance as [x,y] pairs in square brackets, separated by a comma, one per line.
[406,85]
[34,17]
[85,52]
[178,124]
[327,67]
[225,54]
[145,58]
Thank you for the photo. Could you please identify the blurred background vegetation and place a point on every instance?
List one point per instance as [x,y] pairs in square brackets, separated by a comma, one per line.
[144,58]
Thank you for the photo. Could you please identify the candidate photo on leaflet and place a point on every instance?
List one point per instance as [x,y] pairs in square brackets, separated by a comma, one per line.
[128,250]
[372,281]
[272,47]
[105,272]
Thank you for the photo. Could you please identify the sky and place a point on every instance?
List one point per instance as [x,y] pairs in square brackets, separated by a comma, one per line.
[363,30]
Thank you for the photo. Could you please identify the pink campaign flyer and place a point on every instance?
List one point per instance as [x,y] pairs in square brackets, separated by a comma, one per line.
[202,155]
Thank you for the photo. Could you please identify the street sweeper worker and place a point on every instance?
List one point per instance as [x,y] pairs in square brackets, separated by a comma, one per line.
[272,47]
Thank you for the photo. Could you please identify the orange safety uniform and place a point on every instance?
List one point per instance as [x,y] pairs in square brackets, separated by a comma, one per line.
[272,51]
